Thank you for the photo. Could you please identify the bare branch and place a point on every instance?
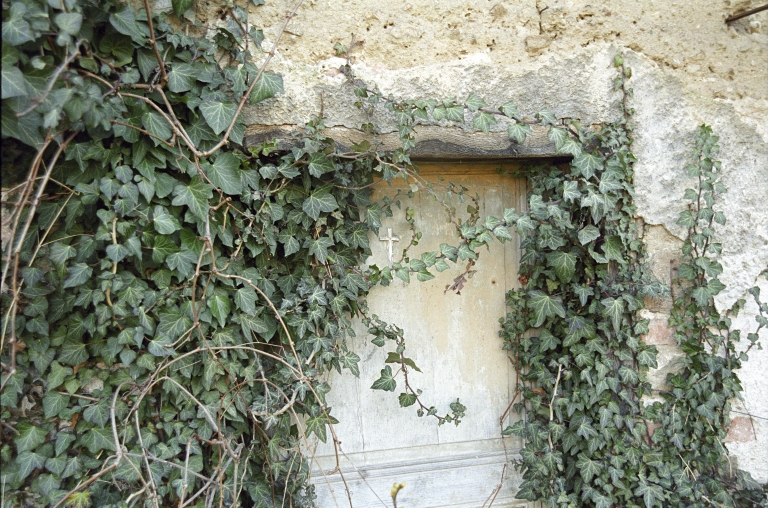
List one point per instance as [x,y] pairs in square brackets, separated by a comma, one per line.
[153,43]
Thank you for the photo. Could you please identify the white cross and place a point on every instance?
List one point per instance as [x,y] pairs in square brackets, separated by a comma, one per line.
[390,239]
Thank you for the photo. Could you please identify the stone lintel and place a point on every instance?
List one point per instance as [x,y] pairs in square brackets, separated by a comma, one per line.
[432,142]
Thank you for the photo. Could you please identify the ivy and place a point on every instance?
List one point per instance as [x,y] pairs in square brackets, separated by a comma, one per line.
[588,434]
[173,302]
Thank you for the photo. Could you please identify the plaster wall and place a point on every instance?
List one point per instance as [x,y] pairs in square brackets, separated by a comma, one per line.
[689,67]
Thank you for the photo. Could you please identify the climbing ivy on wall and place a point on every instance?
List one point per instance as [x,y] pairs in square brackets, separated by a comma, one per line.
[590,438]
[172,301]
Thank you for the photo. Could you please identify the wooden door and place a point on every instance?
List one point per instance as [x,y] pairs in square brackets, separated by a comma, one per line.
[454,339]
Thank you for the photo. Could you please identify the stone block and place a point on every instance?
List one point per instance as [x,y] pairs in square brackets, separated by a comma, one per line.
[741,430]
[659,333]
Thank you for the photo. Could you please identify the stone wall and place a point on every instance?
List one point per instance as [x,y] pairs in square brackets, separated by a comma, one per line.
[689,67]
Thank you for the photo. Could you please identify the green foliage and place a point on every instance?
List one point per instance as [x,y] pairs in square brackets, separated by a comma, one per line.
[583,283]
[587,434]
[695,414]
[179,298]
[175,302]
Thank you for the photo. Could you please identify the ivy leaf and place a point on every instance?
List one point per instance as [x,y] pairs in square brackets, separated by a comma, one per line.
[587,164]
[181,6]
[26,129]
[160,346]
[423,275]
[173,323]
[601,500]
[647,356]
[588,468]
[268,85]
[564,264]
[254,324]
[28,462]
[614,309]
[164,222]
[69,22]
[163,247]
[547,341]
[544,306]
[77,274]
[195,196]
[686,219]
[583,292]
[719,217]
[98,439]
[454,113]
[319,201]
[316,426]
[220,306]
[224,173]
[156,125]
[474,102]
[441,265]
[546,117]
[319,164]
[182,77]
[245,300]
[319,247]
[518,132]
[48,482]
[701,295]
[571,191]
[510,109]
[291,245]
[73,467]
[649,493]
[97,413]
[350,361]
[484,121]
[16,30]
[218,115]
[117,252]
[12,82]
[557,136]
[613,247]
[525,224]
[73,352]
[572,147]
[416,265]
[53,403]
[29,437]
[57,375]
[125,22]
[406,399]
[386,382]
[359,237]
[183,262]
[588,234]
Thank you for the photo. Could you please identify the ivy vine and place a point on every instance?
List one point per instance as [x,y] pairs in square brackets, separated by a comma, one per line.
[588,434]
[173,300]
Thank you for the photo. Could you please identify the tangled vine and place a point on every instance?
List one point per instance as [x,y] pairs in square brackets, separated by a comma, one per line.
[172,300]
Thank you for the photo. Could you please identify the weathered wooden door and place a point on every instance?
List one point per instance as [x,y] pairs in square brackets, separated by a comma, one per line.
[454,339]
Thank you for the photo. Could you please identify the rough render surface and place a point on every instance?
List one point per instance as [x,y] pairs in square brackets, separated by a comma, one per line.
[689,68]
